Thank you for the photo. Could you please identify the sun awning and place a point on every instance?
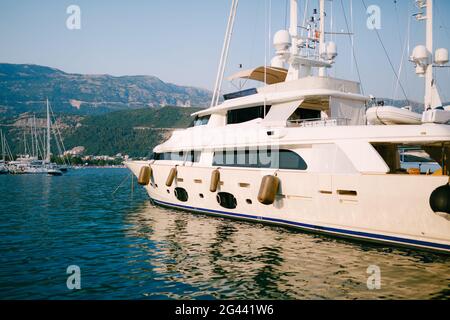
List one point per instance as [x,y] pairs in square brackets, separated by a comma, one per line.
[269,75]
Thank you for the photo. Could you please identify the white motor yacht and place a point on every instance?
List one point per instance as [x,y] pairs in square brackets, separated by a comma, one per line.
[299,152]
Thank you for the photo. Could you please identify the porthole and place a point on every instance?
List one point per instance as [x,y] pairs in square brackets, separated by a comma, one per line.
[168,191]
[201,195]
[181,194]
[249,201]
[226,200]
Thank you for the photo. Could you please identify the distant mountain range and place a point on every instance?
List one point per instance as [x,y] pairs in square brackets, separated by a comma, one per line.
[24,88]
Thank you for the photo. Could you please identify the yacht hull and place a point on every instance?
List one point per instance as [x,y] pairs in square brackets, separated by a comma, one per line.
[335,232]
[389,209]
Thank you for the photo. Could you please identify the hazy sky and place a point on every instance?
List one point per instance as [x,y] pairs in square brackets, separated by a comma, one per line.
[180,41]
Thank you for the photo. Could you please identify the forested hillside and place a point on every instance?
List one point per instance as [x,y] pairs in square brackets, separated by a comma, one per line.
[132,132]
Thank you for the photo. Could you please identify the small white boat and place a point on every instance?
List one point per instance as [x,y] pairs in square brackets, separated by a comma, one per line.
[387,115]
[54,172]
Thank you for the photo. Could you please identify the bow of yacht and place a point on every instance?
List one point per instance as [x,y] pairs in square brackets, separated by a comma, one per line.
[298,152]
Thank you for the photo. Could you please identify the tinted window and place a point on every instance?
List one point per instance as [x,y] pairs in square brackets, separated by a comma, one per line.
[193,156]
[246,114]
[240,94]
[190,156]
[304,114]
[282,159]
[200,121]
[291,160]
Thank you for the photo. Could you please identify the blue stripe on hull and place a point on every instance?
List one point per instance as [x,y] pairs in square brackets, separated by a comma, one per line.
[355,234]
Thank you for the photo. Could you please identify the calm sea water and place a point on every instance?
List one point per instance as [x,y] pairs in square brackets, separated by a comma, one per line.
[128,249]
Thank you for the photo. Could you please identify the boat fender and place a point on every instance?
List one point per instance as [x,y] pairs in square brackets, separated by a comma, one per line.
[440,199]
[215,179]
[144,175]
[268,189]
[171,176]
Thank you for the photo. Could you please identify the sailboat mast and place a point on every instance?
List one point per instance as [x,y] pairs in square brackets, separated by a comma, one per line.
[36,141]
[25,142]
[32,138]
[3,145]
[47,159]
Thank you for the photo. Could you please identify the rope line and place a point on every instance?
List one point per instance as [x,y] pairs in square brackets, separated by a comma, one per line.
[388,57]
[353,48]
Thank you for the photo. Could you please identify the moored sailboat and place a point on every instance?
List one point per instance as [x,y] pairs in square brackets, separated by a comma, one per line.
[30,164]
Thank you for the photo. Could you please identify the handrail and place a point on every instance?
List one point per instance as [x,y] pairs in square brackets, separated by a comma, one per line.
[318,122]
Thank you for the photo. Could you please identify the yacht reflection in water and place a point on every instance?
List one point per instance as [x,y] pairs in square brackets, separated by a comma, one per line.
[220,258]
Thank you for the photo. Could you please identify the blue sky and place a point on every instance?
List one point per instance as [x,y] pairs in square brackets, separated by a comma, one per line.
[180,41]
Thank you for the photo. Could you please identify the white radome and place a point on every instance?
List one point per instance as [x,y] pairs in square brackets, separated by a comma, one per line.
[441,56]
[282,40]
[420,55]
[331,50]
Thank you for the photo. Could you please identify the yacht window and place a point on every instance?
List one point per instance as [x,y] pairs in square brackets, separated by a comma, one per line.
[246,114]
[193,156]
[404,158]
[161,156]
[304,114]
[200,121]
[190,156]
[240,94]
[281,159]
[291,160]
[174,156]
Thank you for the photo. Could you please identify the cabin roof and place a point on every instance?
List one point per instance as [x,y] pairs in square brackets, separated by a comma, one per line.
[269,75]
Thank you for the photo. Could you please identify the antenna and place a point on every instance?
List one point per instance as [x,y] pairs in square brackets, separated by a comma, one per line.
[296,50]
[425,60]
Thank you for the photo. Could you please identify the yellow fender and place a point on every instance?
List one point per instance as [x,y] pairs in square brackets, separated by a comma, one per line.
[268,189]
[171,176]
[215,179]
[145,175]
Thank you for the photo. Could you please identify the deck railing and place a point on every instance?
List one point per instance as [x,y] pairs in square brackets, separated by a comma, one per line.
[332,122]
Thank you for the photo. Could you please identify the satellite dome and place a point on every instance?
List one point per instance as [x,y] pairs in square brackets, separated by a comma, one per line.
[332,50]
[282,40]
[441,56]
[420,55]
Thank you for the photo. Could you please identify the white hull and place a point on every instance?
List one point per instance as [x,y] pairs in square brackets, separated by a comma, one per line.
[25,168]
[367,207]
